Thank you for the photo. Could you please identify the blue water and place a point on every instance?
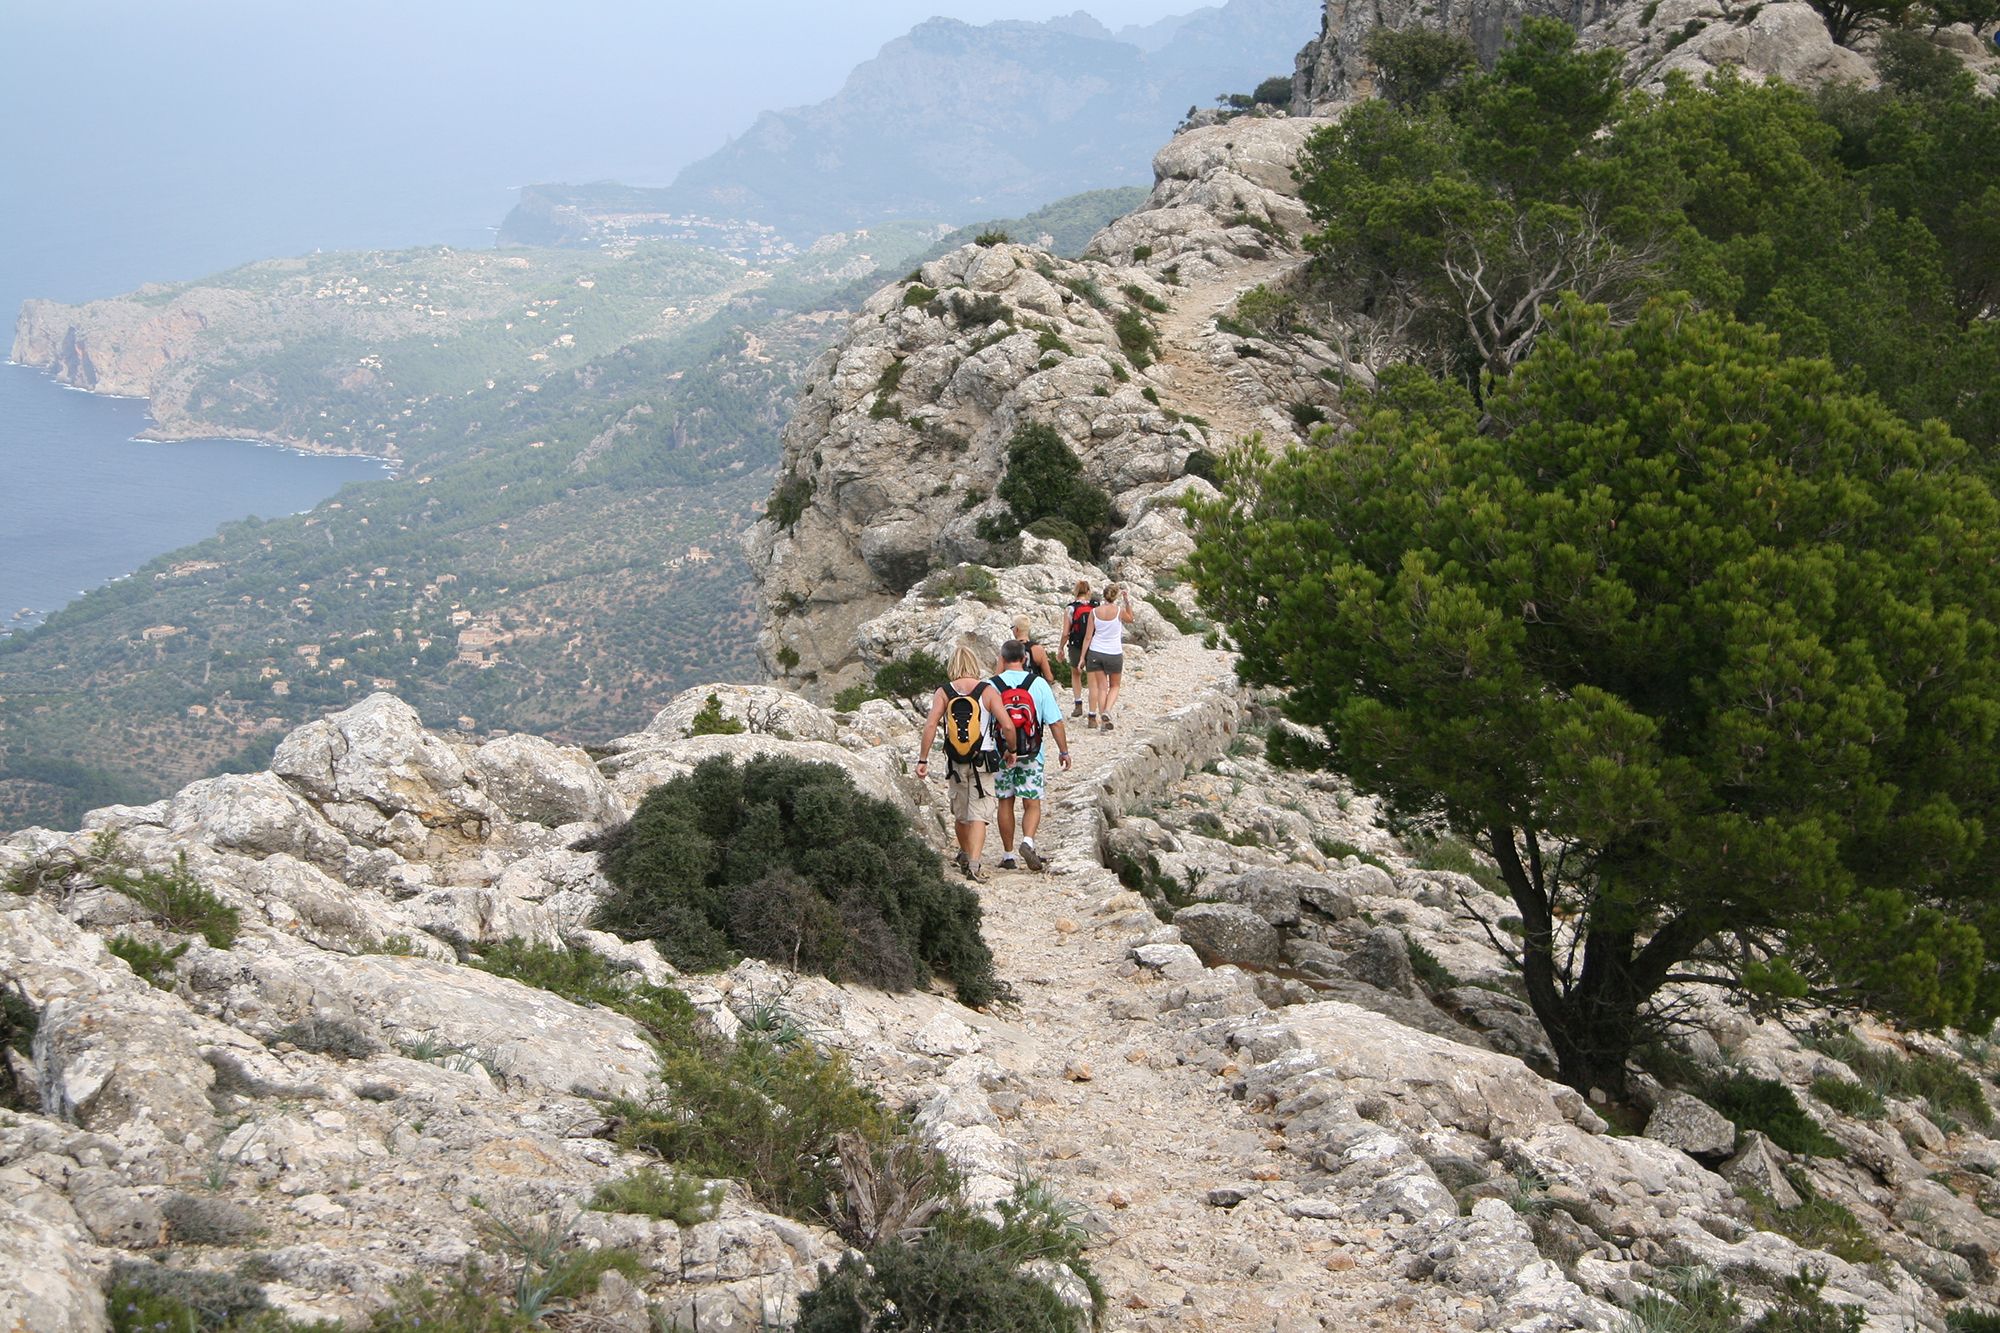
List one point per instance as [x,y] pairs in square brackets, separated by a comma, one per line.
[82,502]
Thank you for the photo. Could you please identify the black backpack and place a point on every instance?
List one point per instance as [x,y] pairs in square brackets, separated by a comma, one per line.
[1079,624]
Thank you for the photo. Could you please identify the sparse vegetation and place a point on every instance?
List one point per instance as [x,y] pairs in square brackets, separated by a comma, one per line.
[682,1200]
[1137,337]
[1849,1097]
[1939,1081]
[154,963]
[195,1219]
[788,500]
[918,294]
[990,238]
[789,861]
[589,978]
[708,720]
[1045,480]
[974,582]
[319,1034]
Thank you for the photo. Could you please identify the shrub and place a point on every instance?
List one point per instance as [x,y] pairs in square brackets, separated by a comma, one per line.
[1801,1309]
[1432,973]
[147,1296]
[789,861]
[1945,1086]
[766,1115]
[335,1037]
[709,721]
[193,1219]
[966,1273]
[1141,253]
[682,1200]
[919,295]
[970,581]
[979,311]
[153,963]
[995,237]
[1267,313]
[1307,415]
[910,678]
[1335,850]
[587,977]
[1695,1301]
[788,500]
[1445,852]
[1139,296]
[1136,337]
[547,1270]
[178,901]
[885,404]
[1088,290]
[852,697]
[1053,528]
[1171,612]
[1967,1319]
[1201,463]
[1849,1097]
[788,657]
[1044,480]
[1274,91]
[1769,1107]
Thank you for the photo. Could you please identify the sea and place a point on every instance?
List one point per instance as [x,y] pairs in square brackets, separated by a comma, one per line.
[82,501]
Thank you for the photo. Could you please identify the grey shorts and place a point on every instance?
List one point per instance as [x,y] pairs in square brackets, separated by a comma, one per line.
[1111,664]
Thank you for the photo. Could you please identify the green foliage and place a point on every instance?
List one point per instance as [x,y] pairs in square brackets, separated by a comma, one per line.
[964,1273]
[788,861]
[975,582]
[1044,480]
[992,238]
[548,1271]
[1262,313]
[1941,1082]
[1432,973]
[1170,611]
[918,295]
[1967,1319]
[154,963]
[1801,1309]
[1848,1097]
[788,657]
[1335,850]
[1139,296]
[589,978]
[885,404]
[1696,1301]
[1769,1107]
[1140,254]
[335,1037]
[853,696]
[1559,688]
[682,1200]
[911,678]
[768,1115]
[1847,20]
[1138,338]
[1979,15]
[147,1297]
[1414,63]
[1445,852]
[1051,527]
[178,901]
[980,311]
[1274,91]
[1201,463]
[709,721]
[789,499]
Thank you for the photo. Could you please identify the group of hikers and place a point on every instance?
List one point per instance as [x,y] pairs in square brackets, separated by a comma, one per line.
[994,725]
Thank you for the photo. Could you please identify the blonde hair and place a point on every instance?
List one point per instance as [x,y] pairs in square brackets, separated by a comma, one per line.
[965,662]
[1023,629]
[1081,590]
[1110,592]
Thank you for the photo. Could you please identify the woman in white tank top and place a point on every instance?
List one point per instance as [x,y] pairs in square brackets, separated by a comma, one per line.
[1105,657]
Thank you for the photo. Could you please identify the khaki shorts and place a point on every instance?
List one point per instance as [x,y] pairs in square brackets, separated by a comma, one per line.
[967,805]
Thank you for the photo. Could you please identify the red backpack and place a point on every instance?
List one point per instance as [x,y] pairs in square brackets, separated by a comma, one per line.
[1079,624]
[1018,703]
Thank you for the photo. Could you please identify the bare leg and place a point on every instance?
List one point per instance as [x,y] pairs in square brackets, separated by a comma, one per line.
[1113,679]
[1031,820]
[1097,704]
[1007,825]
[972,837]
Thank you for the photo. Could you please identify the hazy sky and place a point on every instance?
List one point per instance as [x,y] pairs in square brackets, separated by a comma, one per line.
[148,139]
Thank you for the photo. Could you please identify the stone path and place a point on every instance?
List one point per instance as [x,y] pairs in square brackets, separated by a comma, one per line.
[1115,1120]
[1198,387]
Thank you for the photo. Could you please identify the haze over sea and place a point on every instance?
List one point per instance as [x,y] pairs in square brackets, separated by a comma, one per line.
[218,134]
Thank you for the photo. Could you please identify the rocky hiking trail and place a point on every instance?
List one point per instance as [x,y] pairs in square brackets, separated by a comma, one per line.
[1203,1217]
[1225,399]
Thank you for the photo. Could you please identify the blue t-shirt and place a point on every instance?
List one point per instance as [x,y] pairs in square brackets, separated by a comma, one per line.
[1046,707]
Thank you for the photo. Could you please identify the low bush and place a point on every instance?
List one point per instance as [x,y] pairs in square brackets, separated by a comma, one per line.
[334,1037]
[1770,1108]
[965,1273]
[1201,463]
[153,963]
[1951,1092]
[194,1219]
[995,237]
[177,900]
[1695,1301]
[1140,342]
[1849,1097]
[770,1116]
[1446,852]
[853,696]
[142,1297]
[1968,1319]
[1431,973]
[918,294]
[1801,1309]
[709,721]
[788,500]
[1052,528]
[589,978]
[949,585]
[788,861]
[18,1020]
[979,311]
[1139,296]
[1170,611]
[788,657]
[1141,253]
[683,1200]
[911,678]
[1274,91]
[1045,480]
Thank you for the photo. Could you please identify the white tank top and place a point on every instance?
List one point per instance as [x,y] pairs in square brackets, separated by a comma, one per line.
[1107,636]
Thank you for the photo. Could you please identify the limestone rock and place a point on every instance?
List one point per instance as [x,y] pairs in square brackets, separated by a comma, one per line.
[50,1287]
[1760,1166]
[1787,41]
[544,783]
[370,763]
[1225,933]
[759,708]
[1382,960]
[1692,1125]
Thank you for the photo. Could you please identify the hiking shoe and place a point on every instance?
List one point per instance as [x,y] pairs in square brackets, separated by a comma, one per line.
[976,873]
[1031,856]
[1079,709]
[958,859]
[1091,724]
[1008,862]
[1107,722]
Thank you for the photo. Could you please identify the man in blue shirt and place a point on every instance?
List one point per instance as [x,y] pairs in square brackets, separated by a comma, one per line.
[1024,780]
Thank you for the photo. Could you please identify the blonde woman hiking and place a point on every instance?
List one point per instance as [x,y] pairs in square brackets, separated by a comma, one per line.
[1105,658]
[967,706]
[1076,643]
[1037,661]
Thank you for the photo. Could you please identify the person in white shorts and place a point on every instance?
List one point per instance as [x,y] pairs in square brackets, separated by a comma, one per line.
[1105,658]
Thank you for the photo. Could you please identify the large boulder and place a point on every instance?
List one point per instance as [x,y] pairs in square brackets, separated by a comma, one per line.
[50,1286]
[544,783]
[371,763]
[254,813]
[1692,1125]
[756,708]
[1382,960]
[1225,933]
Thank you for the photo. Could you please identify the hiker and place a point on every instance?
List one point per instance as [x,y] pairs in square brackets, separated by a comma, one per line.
[1031,705]
[968,706]
[1106,657]
[1077,642]
[1037,662]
